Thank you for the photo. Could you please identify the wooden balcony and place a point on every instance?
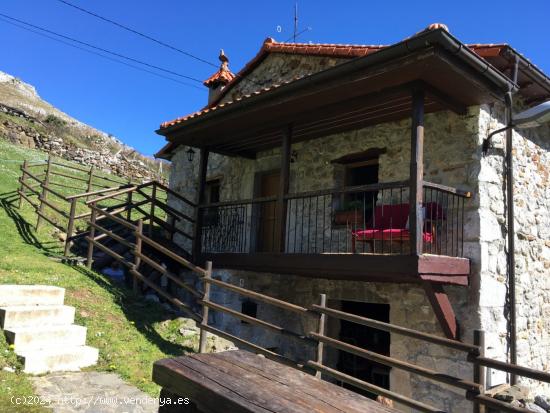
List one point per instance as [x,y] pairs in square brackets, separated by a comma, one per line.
[356,233]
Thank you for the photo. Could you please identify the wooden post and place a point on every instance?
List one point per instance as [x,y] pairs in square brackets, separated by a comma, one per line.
[23,175]
[416,219]
[204,322]
[321,331]
[479,370]
[70,227]
[284,179]
[137,253]
[152,212]
[44,195]
[91,236]
[197,232]
[129,203]
[90,181]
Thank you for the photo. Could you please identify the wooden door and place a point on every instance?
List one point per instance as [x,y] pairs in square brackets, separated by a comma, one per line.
[268,234]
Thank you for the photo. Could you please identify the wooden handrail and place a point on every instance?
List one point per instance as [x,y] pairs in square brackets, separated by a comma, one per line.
[448,189]
[119,192]
[361,384]
[97,192]
[57,194]
[240,202]
[255,321]
[392,362]
[172,255]
[174,193]
[159,291]
[113,217]
[76,178]
[512,368]
[54,207]
[391,328]
[350,189]
[168,274]
[260,297]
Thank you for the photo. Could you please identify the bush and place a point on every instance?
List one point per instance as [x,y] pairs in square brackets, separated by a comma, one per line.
[55,121]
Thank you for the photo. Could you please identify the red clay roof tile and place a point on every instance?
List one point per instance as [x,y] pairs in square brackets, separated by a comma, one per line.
[328,50]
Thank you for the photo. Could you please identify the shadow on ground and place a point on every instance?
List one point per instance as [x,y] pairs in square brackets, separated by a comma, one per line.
[9,202]
[142,313]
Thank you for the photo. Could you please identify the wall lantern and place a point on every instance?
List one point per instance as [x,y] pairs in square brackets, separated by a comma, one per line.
[190,154]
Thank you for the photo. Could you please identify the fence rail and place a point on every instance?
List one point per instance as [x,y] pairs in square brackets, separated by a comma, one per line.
[474,353]
[60,192]
[361,219]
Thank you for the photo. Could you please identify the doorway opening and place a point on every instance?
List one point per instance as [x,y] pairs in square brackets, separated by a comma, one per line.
[369,339]
[267,185]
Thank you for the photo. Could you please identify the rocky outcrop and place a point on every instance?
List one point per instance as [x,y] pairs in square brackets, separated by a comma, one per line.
[28,120]
[102,158]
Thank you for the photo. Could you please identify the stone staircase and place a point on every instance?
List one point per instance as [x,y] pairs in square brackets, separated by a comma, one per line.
[41,329]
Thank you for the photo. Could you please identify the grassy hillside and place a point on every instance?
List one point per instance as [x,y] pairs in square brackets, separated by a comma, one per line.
[129,332]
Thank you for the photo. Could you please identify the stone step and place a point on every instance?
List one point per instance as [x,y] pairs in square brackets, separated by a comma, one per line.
[11,295]
[57,359]
[35,316]
[34,338]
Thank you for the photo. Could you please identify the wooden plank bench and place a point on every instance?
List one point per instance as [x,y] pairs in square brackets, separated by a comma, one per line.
[242,382]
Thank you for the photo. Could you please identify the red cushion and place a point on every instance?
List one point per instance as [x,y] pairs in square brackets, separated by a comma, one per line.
[394,234]
[389,216]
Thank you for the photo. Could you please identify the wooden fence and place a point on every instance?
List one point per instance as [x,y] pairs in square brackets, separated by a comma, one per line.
[146,252]
[131,206]
[59,192]
[474,353]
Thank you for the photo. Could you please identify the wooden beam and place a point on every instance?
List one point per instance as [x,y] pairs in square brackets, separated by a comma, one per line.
[197,233]
[284,179]
[416,221]
[443,309]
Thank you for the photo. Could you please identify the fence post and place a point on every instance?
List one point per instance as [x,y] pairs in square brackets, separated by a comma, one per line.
[91,236]
[70,227]
[23,174]
[45,184]
[204,322]
[153,198]
[90,181]
[129,199]
[479,370]
[137,254]
[321,331]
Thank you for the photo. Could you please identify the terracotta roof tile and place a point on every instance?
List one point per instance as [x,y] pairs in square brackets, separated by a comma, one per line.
[223,75]
[328,50]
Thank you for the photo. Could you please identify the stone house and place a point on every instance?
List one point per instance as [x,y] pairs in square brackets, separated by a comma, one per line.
[364,172]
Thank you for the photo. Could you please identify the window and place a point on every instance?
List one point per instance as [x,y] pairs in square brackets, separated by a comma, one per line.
[249,308]
[213,191]
[355,208]
[212,195]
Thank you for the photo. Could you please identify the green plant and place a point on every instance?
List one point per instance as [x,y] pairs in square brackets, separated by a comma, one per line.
[55,121]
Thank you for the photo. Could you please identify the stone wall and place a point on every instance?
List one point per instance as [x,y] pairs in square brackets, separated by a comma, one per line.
[532,250]
[32,134]
[452,157]
[277,68]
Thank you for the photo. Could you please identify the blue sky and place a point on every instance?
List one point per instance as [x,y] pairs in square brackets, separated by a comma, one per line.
[131,104]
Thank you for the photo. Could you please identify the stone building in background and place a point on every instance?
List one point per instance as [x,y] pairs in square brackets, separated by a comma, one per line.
[307,160]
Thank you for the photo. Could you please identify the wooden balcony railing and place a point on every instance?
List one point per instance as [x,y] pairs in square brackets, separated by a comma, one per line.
[362,219]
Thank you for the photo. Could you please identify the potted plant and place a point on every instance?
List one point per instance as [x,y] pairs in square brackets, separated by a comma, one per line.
[350,214]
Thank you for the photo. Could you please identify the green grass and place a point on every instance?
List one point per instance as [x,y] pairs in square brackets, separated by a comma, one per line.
[130,333]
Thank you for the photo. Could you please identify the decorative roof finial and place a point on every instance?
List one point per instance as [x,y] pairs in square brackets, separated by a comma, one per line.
[223,75]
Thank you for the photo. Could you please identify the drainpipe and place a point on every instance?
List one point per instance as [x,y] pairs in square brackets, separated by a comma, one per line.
[511,224]
[511,257]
